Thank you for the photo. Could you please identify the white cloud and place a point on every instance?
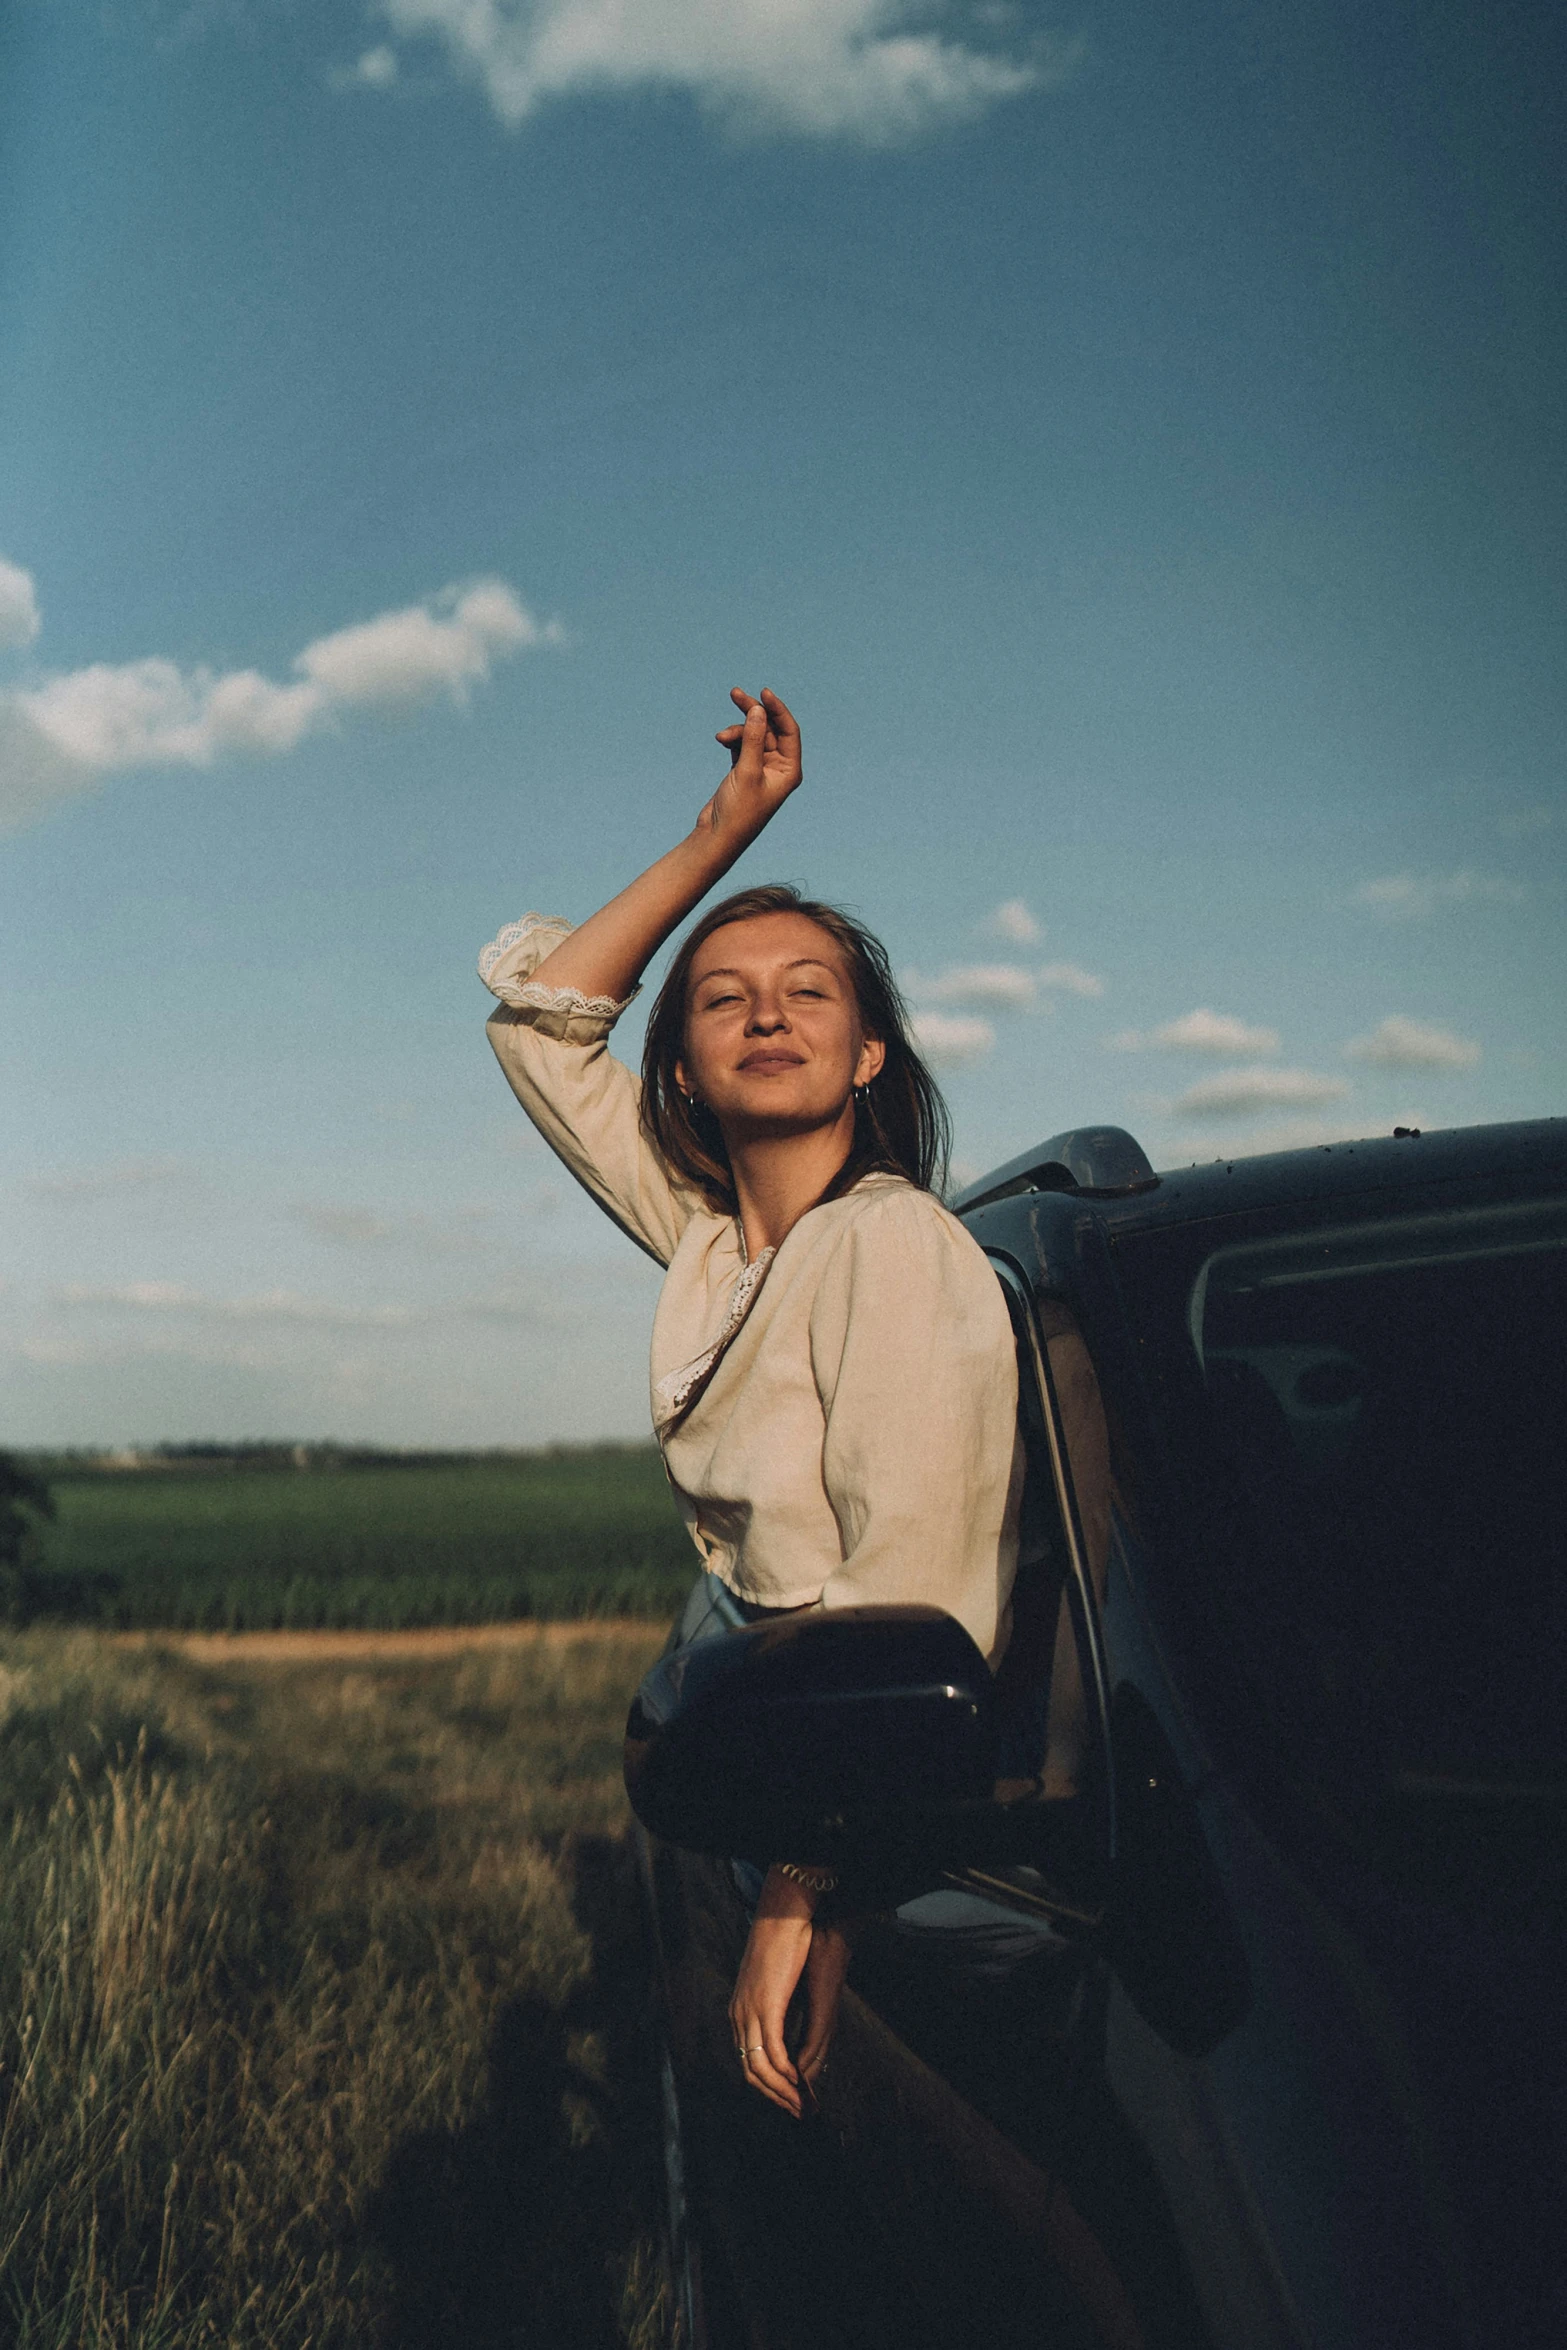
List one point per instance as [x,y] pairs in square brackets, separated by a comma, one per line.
[1201,1031]
[1273,1134]
[377,68]
[1233,1092]
[18,605]
[58,738]
[34,775]
[1013,921]
[999,987]
[1410,896]
[1072,978]
[988,987]
[403,656]
[869,70]
[952,1043]
[1397,1043]
[151,713]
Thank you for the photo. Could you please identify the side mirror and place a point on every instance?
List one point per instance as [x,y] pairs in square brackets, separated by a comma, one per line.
[814,1735]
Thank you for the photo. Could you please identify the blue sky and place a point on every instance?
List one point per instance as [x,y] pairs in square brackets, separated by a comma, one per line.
[1132,438]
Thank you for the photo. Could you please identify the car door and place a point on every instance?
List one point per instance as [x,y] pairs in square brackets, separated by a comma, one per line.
[996,1980]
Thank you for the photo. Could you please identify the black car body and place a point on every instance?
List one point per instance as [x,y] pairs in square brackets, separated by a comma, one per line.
[1231,2016]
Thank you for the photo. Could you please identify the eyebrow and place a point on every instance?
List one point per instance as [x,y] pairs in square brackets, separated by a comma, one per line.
[729,971]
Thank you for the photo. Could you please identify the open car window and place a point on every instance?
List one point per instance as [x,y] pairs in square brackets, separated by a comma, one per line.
[1052,1740]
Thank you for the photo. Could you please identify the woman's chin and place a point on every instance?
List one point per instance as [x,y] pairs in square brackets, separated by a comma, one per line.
[774,1117]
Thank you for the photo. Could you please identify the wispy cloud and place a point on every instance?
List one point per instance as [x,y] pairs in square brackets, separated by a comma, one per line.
[873,71]
[1397,1043]
[1410,896]
[375,69]
[1271,1134]
[949,1042]
[1000,987]
[361,1227]
[1013,921]
[976,987]
[1201,1031]
[1233,1092]
[1072,978]
[59,737]
[18,606]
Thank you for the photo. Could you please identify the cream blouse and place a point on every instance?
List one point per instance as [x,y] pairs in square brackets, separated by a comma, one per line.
[853,1433]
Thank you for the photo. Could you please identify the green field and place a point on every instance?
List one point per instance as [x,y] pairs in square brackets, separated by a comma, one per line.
[250,1541]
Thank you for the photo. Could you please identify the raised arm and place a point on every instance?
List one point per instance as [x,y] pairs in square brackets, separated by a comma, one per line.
[607,954]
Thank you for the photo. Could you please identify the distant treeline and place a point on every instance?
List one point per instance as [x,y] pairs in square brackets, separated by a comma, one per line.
[273,1452]
[217,1537]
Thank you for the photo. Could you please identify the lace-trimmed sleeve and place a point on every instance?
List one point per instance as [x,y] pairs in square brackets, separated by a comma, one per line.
[507,963]
[551,1044]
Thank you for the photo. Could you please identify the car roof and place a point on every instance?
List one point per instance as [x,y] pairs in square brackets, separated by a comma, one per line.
[1516,1154]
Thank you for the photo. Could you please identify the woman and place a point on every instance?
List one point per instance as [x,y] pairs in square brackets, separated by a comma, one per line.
[834,1387]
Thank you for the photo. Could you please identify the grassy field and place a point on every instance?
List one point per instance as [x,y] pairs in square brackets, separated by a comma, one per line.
[254,1542]
[320,2000]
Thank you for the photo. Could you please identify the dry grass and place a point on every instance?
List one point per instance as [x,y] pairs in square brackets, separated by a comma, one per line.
[320,1991]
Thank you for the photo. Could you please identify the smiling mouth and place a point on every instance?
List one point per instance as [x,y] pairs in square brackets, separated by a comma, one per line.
[773,1061]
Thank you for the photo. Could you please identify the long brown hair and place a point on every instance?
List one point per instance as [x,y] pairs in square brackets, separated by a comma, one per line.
[901,1125]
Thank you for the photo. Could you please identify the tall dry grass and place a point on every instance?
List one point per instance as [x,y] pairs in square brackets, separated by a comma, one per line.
[320,2003]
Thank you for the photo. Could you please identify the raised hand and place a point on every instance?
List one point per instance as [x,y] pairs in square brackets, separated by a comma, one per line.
[765,766]
[607,954]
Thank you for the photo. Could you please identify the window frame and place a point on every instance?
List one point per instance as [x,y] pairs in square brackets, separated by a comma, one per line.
[1071,1906]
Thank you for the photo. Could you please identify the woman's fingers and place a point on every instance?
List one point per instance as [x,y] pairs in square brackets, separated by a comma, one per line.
[731,738]
[771,2071]
[764,751]
[750,753]
[764,2062]
[781,718]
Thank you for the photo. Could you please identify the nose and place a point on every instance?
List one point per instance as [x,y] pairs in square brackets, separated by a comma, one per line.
[767,1017]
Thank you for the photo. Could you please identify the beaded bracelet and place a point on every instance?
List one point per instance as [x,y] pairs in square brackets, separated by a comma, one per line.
[814,1880]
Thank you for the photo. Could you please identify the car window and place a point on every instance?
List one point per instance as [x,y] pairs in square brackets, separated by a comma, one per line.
[1049,1737]
[1372,1416]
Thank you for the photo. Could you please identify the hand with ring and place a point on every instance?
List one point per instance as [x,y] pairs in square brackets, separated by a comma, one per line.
[783,1946]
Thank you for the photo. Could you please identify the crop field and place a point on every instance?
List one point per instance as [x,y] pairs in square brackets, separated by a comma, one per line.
[272,1539]
[321,1996]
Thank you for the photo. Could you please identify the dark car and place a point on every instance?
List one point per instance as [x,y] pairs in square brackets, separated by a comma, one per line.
[1211,1985]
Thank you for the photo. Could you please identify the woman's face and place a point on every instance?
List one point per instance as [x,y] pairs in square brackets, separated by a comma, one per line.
[773,1036]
